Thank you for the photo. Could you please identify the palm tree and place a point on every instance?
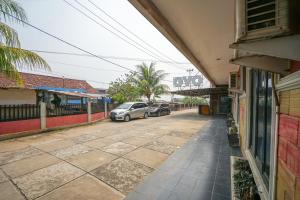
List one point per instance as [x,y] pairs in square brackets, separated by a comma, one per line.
[148,80]
[12,57]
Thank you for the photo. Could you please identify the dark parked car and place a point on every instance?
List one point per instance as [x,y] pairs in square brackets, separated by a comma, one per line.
[159,109]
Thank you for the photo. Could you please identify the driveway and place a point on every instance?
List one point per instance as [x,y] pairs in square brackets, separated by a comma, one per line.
[105,160]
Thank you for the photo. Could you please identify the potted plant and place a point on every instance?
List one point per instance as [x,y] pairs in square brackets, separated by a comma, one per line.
[229,119]
[242,181]
[233,136]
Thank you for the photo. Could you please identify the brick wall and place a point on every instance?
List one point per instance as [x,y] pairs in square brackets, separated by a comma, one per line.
[288,172]
[19,126]
[66,120]
[98,116]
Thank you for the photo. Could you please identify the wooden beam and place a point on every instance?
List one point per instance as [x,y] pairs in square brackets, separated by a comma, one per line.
[153,14]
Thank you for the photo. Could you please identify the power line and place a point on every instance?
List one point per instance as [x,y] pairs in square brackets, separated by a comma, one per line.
[139,45]
[108,57]
[65,42]
[114,28]
[131,32]
[84,66]
[83,13]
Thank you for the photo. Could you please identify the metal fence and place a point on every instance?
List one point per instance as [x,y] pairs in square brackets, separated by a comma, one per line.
[19,112]
[66,109]
[97,107]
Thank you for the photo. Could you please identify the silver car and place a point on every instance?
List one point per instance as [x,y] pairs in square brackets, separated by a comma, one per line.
[130,110]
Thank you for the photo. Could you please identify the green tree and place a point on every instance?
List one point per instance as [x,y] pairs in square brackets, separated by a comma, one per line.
[194,100]
[148,81]
[123,89]
[12,57]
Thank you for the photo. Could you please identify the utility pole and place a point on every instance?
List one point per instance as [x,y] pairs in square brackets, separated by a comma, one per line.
[190,71]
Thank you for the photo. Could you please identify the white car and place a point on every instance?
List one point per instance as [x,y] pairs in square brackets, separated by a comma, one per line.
[130,110]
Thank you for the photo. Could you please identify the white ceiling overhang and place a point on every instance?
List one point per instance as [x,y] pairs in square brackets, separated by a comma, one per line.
[202,30]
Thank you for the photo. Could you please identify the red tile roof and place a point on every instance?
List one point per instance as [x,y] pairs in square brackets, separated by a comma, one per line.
[32,81]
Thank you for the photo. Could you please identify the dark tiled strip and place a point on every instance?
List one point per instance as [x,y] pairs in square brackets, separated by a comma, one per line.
[200,170]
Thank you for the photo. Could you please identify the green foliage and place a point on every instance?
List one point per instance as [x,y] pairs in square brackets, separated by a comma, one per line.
[245,187]
[148,81]
[123,89]
[194,100]
[12,57]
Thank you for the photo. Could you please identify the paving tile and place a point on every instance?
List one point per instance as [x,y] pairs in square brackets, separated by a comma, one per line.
[183,134]
[84,138]
[91,160]
[99,143]
[172,140]
[44,180]
[162,147]
[27,165]
[122,174]
[11,145]
[3,177]
[119,148]
[54,145]
[136,141]
[118,137]
[71,151]
[9,192]
[147,157]
[86,187]
[7,157]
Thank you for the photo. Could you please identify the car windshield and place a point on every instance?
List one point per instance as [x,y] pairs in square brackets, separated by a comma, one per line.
[155,105]
[124,106]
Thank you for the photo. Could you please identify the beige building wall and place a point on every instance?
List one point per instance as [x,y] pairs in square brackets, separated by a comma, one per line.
[17,96]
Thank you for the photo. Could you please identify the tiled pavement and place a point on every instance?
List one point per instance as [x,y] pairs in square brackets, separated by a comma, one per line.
[102,161]
[200,170]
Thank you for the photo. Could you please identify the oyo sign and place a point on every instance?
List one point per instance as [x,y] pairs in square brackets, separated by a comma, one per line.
[187,81]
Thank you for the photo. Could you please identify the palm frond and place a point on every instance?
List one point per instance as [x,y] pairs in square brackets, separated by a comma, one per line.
[8,36]
[12,8]
[12,59]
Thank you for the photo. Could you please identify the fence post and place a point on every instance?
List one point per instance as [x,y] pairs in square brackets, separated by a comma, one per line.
[105,109]
[43,115]
[89,110]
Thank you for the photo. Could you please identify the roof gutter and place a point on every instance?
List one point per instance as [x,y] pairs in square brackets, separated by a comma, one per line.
[156,18]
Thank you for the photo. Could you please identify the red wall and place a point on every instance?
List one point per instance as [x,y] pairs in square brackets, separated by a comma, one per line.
[289,143]
[66,120]
[97,116]
[19,126]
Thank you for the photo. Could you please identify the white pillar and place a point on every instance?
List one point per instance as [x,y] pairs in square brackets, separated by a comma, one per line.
[89,110]
[43,113]
[105,109]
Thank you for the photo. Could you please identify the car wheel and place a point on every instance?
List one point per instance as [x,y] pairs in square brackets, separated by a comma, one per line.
[127,118]
[146,115]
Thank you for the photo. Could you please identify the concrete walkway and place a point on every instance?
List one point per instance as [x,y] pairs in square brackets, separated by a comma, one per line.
[103,161]
[200,170]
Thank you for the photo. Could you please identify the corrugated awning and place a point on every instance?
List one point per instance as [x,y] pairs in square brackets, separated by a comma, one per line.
[75,94]
[202,91]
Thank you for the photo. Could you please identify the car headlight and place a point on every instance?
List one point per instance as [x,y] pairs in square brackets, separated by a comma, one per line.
[120,113]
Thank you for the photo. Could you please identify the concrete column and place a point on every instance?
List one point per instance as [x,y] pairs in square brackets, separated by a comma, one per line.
[89,110]
[43,113]
[105,109]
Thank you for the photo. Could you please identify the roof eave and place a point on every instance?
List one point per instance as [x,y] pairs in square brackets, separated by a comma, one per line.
[156,18]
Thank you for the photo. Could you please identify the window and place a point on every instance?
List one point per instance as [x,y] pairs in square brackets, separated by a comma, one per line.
[260,14]
[261,117]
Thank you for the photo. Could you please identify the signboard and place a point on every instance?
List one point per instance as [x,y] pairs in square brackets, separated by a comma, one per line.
[185,81]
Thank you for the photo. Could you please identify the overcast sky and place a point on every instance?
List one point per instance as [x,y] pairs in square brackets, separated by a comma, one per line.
[58,18]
